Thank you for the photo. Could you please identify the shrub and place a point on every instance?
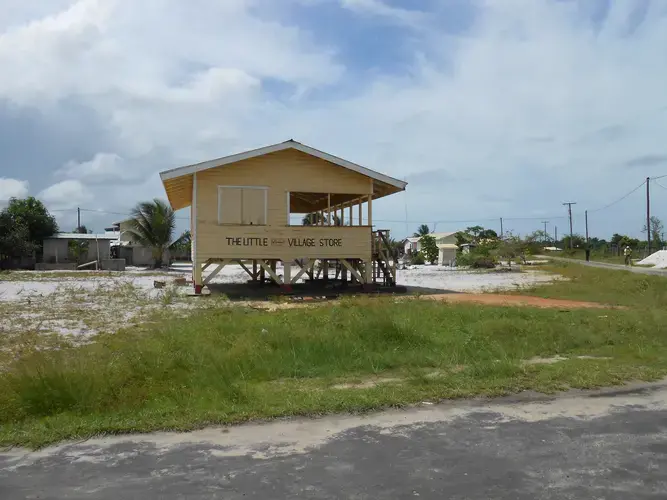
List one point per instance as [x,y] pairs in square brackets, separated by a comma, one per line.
[483,262]
[417,259]
[429,248]
[475,260]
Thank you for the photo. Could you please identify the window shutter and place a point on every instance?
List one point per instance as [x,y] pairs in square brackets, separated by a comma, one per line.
[230,203]
[254,206]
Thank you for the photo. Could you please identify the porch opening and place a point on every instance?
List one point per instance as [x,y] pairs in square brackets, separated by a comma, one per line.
[327,209]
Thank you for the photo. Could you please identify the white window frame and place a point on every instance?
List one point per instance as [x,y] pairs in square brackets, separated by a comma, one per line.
[266,204]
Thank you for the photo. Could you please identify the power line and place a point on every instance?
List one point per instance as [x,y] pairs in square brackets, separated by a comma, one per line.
[618,200]
[658,184]
[107,212]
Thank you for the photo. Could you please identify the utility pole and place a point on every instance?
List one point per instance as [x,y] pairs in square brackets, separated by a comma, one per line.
[648,214]
[501,227]
[546,235]
[569,213]
[586,215]
[78,219]
[555,236]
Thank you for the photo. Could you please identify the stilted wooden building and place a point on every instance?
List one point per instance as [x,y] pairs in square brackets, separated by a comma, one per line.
[240,208]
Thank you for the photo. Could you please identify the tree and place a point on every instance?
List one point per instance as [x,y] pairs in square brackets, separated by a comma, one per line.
[152,225]
[396,248]
[511,248]
[657,228]
[622,240]
[14,237]
[488,234]
[476,235]
[320,219]
[578,241]
[429,248]
[31,213]
[422,230]
[184,243]
[79,248]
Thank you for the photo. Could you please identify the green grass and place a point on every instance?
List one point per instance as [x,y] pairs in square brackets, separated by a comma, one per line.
[614,287]
[580,254]
[230,365]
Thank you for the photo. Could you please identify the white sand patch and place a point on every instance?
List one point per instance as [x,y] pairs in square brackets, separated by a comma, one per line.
[657,259]
[367,384]
[446,278]
[86,304]
[81,307]
[557,359]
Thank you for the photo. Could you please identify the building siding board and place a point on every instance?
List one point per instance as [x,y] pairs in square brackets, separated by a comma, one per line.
[261,242]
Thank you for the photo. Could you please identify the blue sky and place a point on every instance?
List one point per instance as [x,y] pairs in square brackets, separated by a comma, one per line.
[488,108]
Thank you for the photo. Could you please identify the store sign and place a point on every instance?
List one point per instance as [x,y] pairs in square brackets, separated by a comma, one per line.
[282,242]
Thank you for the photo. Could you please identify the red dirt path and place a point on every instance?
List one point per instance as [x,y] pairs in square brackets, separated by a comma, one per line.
[515,300]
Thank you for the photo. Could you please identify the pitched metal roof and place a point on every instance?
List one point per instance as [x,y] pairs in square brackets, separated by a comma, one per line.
[81,236]
[291,144]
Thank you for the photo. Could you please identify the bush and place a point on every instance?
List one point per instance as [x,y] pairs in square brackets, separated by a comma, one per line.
[475,260]
[417,259]
[483,262]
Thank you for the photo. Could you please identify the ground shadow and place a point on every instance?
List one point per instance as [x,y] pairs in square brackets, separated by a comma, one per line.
[313,290]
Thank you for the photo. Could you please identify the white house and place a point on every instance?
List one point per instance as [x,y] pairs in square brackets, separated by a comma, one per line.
[446,243]
[126,248]
[447,248]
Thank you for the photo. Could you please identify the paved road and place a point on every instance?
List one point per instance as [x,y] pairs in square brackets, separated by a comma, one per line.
[608,445]
[605,265]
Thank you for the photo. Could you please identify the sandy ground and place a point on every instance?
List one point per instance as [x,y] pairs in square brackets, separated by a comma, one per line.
[446,278]
[85,304]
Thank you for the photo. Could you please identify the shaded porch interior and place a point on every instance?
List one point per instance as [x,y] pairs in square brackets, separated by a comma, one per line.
[329,209]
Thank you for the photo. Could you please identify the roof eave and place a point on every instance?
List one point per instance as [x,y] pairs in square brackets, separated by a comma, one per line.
[226,160]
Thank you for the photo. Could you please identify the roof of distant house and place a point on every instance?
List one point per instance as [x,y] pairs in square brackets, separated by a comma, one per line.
[437,236]
[81,236]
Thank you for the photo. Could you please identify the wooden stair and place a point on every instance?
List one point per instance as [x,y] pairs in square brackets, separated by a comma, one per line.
[384,259]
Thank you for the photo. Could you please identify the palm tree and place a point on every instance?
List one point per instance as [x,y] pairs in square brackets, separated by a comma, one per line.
[152,225]
[422,230]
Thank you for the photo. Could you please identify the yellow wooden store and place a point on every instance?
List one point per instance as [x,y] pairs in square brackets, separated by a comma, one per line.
[241,207]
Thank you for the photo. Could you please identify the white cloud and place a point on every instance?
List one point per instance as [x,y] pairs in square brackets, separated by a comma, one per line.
[66,195]
[381,9]
[102,168]
[12,188]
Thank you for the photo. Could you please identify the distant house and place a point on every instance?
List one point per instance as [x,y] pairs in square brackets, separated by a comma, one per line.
[120,230]
[411,245]
[447,248]
[446,243]
[57,248]
[125,246]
